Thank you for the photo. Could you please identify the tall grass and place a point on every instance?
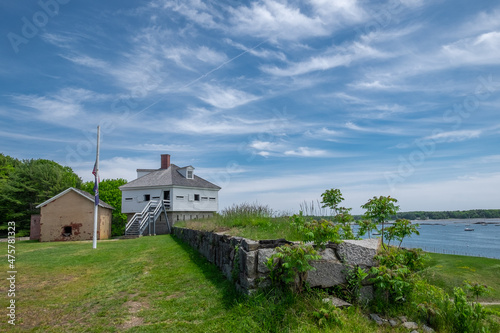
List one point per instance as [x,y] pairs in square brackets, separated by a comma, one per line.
[315,209]
[250,220]
[246,214]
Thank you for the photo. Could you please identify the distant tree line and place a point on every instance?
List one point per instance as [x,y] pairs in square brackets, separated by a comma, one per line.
[24,184]
[457,214]
[443,215]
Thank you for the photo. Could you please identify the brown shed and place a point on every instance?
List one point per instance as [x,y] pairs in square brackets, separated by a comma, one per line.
[69,216]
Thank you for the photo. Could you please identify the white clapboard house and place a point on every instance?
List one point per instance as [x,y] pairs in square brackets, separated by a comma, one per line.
[160,197]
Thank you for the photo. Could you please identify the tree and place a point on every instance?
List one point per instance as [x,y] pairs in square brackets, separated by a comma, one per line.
[110,193]
[7,166]
[29,184]
[399,230]
[380,209]
[331,199]
[366,226]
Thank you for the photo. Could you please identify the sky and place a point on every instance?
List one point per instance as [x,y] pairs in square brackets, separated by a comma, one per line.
[275,101]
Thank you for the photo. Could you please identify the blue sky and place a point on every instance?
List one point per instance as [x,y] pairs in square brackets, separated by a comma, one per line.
[275,101]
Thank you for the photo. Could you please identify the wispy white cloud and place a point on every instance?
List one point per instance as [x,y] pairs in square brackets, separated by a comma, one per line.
[86,61]
[205,122]
[33,138]
[274,20]
[225,97]
[308,152]
[480,50]
[389,131]
[258,52]
[64,104]
[197,11]
[482,22]
[337,57]
[185,57]
[160,147]
[454,136]
[325,134]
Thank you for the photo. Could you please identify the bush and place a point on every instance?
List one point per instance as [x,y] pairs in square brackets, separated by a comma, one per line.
[290,265]
[393,278]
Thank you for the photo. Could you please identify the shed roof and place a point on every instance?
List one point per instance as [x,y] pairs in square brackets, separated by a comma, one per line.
[168,177]
[81,192]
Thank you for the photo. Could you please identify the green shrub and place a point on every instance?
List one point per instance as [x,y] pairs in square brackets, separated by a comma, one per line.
[354,281]
[329,315]
[466,317]
[290,264]
[318,232]
[393,279]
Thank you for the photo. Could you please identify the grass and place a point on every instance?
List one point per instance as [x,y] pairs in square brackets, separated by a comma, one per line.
[149,284]
[256,228]
[158,284]
[447,271]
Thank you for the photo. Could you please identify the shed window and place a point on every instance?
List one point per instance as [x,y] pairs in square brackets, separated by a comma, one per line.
[147,197]
[68,231]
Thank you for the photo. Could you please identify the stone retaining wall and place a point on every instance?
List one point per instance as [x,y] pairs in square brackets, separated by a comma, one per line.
[243,260]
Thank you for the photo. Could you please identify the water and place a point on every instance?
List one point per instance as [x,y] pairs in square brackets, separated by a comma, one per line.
[448,236]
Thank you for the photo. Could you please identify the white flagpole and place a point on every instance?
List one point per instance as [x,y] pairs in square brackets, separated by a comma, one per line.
[96,207]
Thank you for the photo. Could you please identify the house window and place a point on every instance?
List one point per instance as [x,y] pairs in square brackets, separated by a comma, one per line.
[196,197]
[204,198]
[147,197]
[68,230]
[178,218]
[179,197]
[212,199]
[190,174]
[129,199]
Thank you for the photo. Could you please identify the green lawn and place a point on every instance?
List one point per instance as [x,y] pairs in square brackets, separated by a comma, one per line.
[447,271]
[149,284]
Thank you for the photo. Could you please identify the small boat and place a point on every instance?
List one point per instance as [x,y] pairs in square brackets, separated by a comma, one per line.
[469,229]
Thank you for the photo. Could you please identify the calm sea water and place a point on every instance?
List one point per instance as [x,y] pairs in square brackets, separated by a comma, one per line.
[448,236]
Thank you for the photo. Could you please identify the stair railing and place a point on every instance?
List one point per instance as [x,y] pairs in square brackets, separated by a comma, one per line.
[146,217]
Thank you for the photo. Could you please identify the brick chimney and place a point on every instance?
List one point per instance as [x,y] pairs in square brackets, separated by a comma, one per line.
[165,161]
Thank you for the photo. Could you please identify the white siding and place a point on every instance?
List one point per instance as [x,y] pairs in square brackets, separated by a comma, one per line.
[133,200]
[188,202]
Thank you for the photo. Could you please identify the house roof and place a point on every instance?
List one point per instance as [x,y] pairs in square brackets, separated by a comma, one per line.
[168,177]
[81,192]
